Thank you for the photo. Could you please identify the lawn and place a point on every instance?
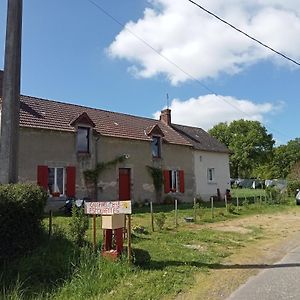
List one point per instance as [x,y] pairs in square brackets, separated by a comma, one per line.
[165,261]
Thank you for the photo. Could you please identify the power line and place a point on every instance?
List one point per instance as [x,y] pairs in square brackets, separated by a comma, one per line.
[244,33]
[173,63]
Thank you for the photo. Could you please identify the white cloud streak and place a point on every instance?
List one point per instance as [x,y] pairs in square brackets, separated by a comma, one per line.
[207,111]
[203,46]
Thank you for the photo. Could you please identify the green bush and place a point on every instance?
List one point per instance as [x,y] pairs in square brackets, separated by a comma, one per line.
[160,220]
[292,187]
[21,215]
[273,195]
[78,226]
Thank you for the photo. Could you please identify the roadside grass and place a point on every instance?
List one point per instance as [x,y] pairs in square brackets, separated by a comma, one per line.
[165,262]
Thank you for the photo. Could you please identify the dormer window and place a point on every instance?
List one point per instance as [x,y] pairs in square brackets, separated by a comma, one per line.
[156,135]
[83,125]
[156,146]
[83,139]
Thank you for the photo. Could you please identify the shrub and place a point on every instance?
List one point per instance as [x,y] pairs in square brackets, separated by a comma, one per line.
[160,220]
[292,187]
[78,226]
[21,215]
[169,199]
[272,194]
[231,208]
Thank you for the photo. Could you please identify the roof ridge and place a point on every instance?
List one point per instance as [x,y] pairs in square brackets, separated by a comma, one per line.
[88,107]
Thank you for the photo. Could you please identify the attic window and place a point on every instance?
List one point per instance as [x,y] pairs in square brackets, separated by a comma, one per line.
[156,146]
[83,140]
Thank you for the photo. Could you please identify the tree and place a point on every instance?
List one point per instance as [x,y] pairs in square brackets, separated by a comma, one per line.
[285,157]
[249,143]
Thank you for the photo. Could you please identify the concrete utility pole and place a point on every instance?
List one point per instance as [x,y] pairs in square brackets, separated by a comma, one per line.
[9,138]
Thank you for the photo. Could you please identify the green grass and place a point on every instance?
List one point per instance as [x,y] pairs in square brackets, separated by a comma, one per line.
[165,262]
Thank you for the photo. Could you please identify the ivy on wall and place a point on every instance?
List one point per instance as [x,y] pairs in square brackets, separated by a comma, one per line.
[157,177]
[92,175]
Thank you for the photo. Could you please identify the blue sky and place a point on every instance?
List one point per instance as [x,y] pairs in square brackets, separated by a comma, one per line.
[72,52]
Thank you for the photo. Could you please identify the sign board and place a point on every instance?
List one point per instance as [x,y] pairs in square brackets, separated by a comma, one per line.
[107,208]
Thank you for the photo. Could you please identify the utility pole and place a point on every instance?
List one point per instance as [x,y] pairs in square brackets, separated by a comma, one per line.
[9,138]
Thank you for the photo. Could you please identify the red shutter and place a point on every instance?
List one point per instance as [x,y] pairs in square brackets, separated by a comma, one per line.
[42,177]
[167,181]
[181,181]
[71,179]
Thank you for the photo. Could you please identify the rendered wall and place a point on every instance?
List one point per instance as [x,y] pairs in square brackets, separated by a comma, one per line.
[218,161]
[58,149]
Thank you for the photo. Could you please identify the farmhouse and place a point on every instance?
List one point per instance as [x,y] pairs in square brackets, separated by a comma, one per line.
[59,141]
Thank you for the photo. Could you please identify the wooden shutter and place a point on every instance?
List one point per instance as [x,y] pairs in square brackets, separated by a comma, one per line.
[167,181]
[71,180]
[181,181]
[42,177]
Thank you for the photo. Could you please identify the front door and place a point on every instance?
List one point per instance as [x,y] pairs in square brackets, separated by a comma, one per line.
[124,184]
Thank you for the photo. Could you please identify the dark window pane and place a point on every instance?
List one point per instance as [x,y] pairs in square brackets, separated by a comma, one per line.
[83,139]
[155,146]
[60,179]
[51,180]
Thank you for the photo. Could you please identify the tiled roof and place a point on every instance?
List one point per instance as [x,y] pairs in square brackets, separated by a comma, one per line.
[54,115]
[48,114]
[200,139]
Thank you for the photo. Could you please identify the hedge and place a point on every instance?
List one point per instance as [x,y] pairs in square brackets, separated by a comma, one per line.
[293,185]
[21,215]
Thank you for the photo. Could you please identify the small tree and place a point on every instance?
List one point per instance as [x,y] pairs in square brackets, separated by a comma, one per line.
[79,224]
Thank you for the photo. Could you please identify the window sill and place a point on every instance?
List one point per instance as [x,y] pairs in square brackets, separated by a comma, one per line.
[83,154]
[211,182]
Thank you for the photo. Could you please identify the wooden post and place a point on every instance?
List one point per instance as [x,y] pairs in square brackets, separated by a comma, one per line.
[225,198]
[50,222]
[151,213]
[212,207]
[176,214]
[94,233]
[9,139]
[129,238]
[195,210]
[237,203]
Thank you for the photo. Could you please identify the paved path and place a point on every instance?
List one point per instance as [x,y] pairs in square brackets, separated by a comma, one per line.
[280,281]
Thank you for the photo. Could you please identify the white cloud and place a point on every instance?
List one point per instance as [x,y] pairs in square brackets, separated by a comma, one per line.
[203,46]
[207,111]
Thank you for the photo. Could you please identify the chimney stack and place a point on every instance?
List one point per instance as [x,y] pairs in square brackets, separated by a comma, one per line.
[1,82]
[165,116]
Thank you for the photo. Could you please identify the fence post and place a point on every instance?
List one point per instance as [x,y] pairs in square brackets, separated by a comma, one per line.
[176,213]
[151,213]
[212,206]
[50,222]
[94,233]
[195,210]
[237,202]
[129,238]
[225,198]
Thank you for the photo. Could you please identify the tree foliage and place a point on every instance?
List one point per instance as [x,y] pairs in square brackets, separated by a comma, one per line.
[250,145]
[285,157]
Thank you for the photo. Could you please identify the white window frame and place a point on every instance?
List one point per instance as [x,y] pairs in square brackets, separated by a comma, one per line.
[211,175]
[174,180]
[55,179]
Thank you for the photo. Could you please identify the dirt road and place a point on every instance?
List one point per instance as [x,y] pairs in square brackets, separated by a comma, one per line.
[281,233]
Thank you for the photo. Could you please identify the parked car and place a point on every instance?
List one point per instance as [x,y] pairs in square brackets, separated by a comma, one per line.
[298,197]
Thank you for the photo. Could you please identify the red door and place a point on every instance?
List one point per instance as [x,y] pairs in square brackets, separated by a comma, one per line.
[124,184]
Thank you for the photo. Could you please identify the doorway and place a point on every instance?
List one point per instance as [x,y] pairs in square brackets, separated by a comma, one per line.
[124,184]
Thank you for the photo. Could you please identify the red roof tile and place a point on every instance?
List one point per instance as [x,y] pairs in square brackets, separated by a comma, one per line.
[48,114]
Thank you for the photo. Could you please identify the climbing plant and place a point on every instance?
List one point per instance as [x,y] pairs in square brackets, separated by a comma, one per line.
[92,175]
[157,177]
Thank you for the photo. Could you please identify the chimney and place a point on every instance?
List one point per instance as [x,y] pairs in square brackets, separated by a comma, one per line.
[165,116]
[1,82]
